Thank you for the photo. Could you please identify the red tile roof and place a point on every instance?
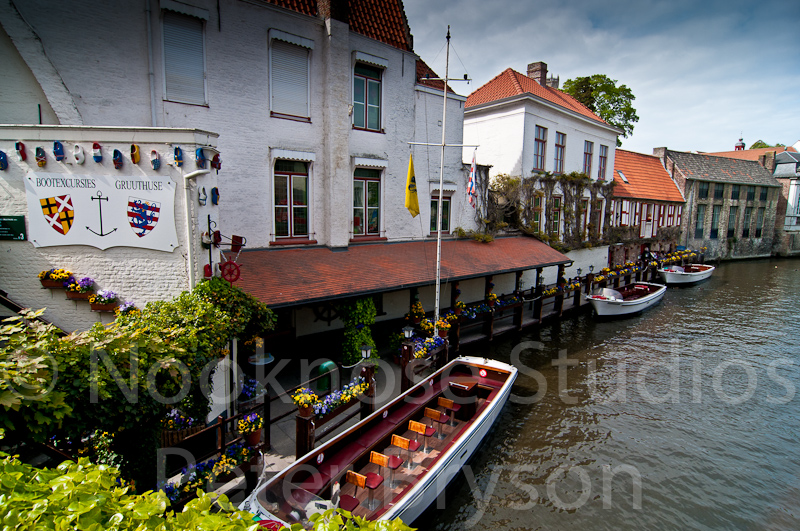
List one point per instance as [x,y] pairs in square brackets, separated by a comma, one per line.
[748,154]
[382,20]
[647,178]
[424,71]
[284,277]
[512,83]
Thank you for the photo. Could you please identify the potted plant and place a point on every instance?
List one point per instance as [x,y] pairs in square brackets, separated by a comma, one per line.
[54,278]
[459,307]
[80,289]
[104,300]
[126,308]
[305,398]
[491,298]
[417,312]
[250,426]
[443,325]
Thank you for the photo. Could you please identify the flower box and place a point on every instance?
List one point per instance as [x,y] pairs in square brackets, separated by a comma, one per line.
[52,284]
[78,296]
[330,415]
[104,307]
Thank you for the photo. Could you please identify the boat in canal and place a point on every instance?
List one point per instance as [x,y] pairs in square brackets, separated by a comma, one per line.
[395,462]
[689,274]
[627,300]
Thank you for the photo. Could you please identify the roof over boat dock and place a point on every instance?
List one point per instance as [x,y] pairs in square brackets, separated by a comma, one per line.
[289,277]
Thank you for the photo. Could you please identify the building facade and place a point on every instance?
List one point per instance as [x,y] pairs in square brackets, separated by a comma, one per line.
[731,204]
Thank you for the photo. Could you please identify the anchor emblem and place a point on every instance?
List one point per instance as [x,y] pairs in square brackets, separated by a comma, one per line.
[100,200]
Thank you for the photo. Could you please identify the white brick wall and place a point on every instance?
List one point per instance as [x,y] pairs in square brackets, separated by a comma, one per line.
[138,275]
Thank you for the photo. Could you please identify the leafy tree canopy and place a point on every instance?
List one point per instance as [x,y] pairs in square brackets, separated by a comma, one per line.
[603,97]
[758,144]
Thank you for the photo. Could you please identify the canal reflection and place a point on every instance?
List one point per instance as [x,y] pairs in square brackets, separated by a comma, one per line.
[682,417]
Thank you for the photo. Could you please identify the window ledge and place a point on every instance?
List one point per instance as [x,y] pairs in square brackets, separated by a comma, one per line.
[291,117]
[293,241]
[382,131]
[368,239]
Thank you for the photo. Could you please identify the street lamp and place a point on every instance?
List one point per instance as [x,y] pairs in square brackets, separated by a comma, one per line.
[366,351]
[408,332]
[579,271]
[591,269]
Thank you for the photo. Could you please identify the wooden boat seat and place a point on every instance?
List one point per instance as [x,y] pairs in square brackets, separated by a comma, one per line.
[392,462]
[351,503]
[438,418]
[408,445]
[420,428]
[451,406]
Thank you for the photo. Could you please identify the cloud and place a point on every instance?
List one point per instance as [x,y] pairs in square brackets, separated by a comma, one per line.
[702,72]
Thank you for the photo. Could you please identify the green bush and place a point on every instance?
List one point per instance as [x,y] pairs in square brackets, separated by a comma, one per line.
[357,315]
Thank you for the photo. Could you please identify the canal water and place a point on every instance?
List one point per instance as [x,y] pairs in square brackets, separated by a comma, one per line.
[684,417]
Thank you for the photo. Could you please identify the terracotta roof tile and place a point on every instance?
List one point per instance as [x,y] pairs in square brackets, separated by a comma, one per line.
[294,276]
[511,83]
[749,154]
[382,20]
[647,178]
[423,71]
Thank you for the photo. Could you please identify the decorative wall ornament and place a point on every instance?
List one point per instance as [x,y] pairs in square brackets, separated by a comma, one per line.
[41,157]
[178,157]
[200,158]
[97,154]
[3,161]
[20,147]
[80,156]
[58,151]
[216,162]
[155,160]
[135,156]
[117,158]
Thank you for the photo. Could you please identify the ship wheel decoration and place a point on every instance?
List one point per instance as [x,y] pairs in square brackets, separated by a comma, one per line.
[230,271]
[325,312]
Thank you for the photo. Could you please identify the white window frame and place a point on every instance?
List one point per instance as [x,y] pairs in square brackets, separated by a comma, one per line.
[381,181]
[446,196]
[199,15]
[380,64]
[300,42]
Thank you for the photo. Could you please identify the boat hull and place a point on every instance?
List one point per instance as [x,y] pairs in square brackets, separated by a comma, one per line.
[673,277]
[618,308]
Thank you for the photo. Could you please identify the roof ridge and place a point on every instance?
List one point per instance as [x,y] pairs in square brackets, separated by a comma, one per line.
[513,73]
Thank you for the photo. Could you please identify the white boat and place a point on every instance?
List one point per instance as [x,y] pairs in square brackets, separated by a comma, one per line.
[627,300]
[689,274]
[319,480]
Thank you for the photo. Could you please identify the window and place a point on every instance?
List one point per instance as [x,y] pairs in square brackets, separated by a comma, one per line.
[556,214]
[698,224]
[759,221]
[291,199]
[661,215]
[637,217]
[585,215]
[678,214]
[539,148]
[734,191]
[715,212]
[719,190]
[703,193]
[184,59]
[288,80]
[445,213]
[537,213]
[367,97]
[588,150]
[732,221]
[764,192]
[624,217]
[601,170]
[622,176]
[751,193]
[366,202]
[671,215]
[748,215]
[561,144]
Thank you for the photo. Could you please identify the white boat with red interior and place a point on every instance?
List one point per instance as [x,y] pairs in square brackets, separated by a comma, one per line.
[395,462]
[688,274]
[627,300]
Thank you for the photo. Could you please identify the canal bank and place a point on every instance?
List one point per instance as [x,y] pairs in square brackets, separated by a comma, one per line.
[684,416]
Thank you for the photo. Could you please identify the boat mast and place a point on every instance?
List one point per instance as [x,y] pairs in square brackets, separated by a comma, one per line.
[441,186]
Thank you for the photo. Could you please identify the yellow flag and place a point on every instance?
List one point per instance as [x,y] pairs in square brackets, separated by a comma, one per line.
[412,201]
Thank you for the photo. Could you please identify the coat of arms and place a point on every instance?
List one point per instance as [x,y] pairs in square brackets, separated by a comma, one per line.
[58,212]
[142,215]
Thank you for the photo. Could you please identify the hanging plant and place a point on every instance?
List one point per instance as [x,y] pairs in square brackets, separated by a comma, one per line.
[357,315]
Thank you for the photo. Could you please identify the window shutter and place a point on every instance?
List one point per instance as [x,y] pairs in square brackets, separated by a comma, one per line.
[184,64]
[289,79]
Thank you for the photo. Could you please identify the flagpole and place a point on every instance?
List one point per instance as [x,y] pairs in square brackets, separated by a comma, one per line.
[441,187]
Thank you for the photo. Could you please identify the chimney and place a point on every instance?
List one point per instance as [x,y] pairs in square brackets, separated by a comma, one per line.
[768,161]
[660,152]
[538,72]
[335,9]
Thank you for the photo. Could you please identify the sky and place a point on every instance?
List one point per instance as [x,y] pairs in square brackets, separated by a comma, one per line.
[704,72]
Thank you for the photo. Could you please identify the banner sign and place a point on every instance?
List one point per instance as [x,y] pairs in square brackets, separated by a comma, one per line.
[12,228]
[101,210]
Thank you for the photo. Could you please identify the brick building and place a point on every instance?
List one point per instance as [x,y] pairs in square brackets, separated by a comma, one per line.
[731,204]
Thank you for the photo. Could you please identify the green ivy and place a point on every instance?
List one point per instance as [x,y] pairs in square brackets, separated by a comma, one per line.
[357,315]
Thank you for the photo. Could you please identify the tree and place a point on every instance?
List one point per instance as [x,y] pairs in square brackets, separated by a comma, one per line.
[603,97]
[758,144]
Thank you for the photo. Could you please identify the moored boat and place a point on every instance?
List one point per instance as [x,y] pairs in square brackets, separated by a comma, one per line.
[689,274]
[626,300]
[395,462]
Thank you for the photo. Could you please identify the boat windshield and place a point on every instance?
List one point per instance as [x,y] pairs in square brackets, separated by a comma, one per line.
[608,293]
[676,269]
[292,503]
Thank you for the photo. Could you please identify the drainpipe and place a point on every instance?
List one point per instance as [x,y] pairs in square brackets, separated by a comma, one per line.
[190,223]
[150,72]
